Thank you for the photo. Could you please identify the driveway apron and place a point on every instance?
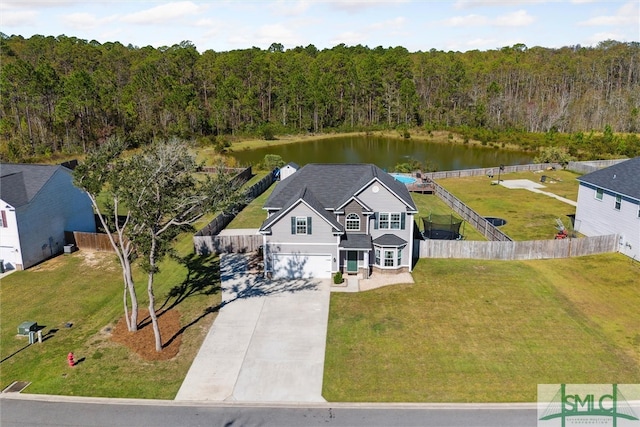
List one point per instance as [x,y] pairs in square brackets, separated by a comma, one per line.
[267,343]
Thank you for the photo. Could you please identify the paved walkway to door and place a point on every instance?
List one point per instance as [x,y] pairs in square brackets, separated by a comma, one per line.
[267,343]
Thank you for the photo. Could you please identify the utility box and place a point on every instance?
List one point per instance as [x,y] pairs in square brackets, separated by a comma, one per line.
[26,327]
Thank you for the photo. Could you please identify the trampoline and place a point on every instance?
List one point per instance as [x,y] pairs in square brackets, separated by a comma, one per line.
[441,227]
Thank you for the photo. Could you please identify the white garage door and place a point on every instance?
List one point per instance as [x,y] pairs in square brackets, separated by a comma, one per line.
[292,266]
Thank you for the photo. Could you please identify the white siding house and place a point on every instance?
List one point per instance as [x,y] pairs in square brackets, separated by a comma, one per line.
[38,203]
[609,203]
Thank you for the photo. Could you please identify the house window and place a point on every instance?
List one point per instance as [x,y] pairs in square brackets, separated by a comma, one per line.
[599,193]
[618,202]
[389,258]
[352,222]
[392,257]
[3,219]
[390,221]
[394,221]
[300,225]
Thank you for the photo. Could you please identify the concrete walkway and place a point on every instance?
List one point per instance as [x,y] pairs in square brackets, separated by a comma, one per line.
[267,343]
[534,187]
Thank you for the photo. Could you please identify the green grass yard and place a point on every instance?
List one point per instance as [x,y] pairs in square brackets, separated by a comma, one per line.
[85,289]
[486,331]
[530,216]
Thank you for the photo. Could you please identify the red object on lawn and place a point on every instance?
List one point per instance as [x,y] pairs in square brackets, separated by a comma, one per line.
[70,359]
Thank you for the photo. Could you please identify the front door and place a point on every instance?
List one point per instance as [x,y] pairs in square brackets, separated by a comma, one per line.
[352,262]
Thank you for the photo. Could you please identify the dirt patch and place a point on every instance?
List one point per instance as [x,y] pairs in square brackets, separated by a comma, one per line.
[142,342]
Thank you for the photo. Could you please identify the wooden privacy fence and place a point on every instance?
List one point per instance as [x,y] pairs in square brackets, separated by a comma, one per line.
[479,222]
[462,173]
[226,244]
[533,249]
[92,241]
[593,165]
[207,239]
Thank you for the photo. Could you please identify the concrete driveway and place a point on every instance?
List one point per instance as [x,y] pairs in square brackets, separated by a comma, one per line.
[267,343]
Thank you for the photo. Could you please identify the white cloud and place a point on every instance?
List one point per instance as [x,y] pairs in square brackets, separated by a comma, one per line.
[353,6]
[627,14]
[163,13]
[275,33]
[470,4]
[519,18]
[15,19]
[395,23]
[34,4]
[594,39]
[349,38]
[86,21]
[290,8]
[481,43]
[465,21]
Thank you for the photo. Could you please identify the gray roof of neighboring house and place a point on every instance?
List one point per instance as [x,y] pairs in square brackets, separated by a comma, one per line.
[307,197]
[622,178]
[293,165]
[19,183]
[333,184]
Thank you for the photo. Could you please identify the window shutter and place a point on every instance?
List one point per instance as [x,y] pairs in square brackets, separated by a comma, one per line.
[403,219]
[293,225]
[375,221]
[4,220]
[308,225]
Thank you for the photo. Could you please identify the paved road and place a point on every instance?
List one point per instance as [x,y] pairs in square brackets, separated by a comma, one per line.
[23,410]
[267,343]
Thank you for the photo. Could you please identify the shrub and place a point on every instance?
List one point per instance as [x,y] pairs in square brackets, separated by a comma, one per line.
[337,278]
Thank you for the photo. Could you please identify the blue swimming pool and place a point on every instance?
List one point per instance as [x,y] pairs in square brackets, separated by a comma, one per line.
[403,178]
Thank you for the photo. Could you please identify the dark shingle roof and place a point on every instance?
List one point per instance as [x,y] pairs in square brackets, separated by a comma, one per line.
[307,197]
[19,183]
[333,184]
[622,178]
[390,240]
[356,241]
[293,165]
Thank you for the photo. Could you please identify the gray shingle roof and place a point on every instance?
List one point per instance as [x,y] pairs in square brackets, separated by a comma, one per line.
[390,240]
[622,178]
[356,241]
[333,184]
[307,197]
[19,183]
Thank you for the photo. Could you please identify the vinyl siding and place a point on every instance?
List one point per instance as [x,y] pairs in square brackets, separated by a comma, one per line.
[599,217]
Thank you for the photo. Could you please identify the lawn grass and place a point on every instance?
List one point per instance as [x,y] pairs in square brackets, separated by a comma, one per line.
[530,216]
[85,289]
[485,331]
[252,216]
[432,204]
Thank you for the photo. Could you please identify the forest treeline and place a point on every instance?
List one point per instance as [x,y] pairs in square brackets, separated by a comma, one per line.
[64,94]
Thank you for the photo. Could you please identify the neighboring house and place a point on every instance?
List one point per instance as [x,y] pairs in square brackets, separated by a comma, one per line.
[609,203]
[353,218]
[288,170]
[38,203]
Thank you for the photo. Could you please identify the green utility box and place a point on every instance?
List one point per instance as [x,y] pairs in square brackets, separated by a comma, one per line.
[26,327]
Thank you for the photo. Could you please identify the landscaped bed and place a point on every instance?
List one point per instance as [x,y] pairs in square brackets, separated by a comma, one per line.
[486,331]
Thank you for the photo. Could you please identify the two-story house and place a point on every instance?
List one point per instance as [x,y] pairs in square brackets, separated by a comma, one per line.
[325,218]
[38,203]
[609,203]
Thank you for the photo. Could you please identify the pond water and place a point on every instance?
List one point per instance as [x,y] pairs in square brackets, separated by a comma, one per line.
[386,153]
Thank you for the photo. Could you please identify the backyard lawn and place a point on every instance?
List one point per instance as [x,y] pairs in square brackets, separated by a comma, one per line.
[529,216]
[486,331]
[85,290]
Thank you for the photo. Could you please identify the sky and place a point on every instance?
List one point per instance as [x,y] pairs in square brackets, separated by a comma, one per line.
[418,25]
